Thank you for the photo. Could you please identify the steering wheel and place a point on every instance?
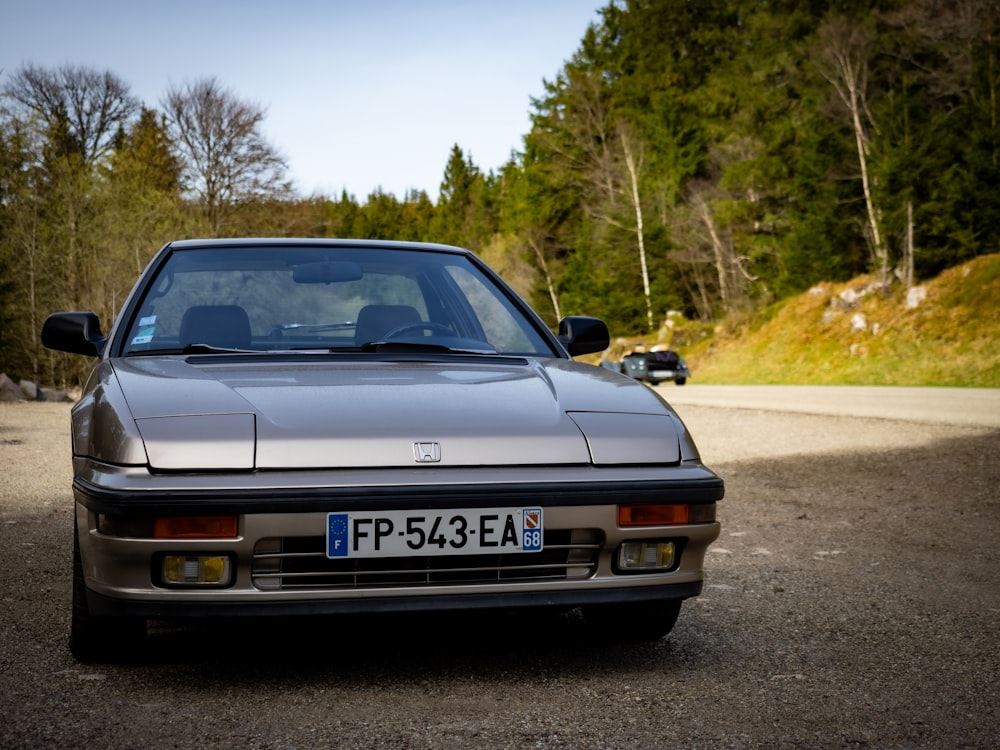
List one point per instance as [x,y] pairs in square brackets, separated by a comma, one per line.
[421,326]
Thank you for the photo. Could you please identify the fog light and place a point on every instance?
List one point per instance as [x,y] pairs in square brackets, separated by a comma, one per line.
[196,570]
[646,556]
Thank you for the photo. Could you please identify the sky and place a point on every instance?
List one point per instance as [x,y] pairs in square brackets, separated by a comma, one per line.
[360,95]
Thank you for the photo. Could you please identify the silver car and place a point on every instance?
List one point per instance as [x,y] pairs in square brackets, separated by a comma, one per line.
[335,426]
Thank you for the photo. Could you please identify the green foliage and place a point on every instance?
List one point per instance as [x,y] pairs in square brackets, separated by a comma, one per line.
[700,149]
[465,213]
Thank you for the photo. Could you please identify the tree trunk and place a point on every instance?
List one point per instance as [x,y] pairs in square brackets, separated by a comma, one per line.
[845,52]
[549,284]
[718,252]
[910,250]
[633,173]
[881,256]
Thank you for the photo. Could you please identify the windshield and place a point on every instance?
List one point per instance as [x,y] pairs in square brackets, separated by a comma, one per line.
[279,298]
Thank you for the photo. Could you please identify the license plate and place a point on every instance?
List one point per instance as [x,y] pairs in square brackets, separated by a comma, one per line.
[405,533]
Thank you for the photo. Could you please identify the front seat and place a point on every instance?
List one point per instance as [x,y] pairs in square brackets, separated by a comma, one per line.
[375,321]
[223,326]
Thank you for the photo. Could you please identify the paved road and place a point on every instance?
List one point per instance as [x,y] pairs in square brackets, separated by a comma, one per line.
[973,407]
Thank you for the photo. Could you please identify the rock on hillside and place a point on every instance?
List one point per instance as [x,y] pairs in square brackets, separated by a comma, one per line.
[944,332]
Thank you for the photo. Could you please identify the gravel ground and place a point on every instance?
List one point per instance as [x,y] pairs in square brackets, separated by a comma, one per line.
[851,601]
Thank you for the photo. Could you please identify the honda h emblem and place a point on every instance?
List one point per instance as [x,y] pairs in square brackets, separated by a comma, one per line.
[427,453]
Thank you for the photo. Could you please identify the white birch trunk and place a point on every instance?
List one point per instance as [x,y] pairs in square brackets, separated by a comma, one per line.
[633,172]
[549,284]
[718,252]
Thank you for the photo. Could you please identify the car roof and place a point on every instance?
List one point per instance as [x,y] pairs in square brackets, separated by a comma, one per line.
[316,242]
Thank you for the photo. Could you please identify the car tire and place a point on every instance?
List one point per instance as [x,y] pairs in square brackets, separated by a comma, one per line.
[99,639]
[641,621]
[681,381]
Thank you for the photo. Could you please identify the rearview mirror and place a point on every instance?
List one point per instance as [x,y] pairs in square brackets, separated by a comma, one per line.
[326,272]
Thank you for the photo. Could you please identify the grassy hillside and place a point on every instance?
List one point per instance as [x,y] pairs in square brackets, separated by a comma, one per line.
[856,333]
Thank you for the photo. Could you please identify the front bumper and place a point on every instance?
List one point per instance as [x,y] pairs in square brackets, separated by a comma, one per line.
[281,519]
[108,606]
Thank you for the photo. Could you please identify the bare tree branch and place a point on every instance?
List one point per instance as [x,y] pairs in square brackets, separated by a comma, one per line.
[229,160]
[91,104]
[843,60]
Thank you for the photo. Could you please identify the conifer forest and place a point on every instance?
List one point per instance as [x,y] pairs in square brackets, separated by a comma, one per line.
[708,157]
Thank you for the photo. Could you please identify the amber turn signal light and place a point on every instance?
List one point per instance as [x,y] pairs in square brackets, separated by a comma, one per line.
[665,515]
[652,515]
[195,527]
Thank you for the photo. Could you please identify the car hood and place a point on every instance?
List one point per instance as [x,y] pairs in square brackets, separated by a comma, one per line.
[242,413]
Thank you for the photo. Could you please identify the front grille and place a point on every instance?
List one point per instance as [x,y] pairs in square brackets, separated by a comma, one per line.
[284,563]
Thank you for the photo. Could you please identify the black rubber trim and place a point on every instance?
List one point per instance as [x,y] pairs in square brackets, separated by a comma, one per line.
[104,606]
[328,499]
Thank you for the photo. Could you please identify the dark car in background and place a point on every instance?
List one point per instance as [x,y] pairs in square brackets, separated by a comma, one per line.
[291,427]
[656,367]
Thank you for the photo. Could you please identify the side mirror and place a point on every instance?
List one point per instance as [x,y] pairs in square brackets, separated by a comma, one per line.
[74,332]
[583,335]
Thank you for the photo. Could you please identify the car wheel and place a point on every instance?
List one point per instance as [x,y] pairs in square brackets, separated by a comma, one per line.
[99,639]
[643,621]
[681,381]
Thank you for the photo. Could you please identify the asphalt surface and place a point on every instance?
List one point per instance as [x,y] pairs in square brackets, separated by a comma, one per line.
[955,406]
[851,601]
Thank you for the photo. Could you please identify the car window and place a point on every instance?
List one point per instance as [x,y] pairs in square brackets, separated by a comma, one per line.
[498,318]
[320,297]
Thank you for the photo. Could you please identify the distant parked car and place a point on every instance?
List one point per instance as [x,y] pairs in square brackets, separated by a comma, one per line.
[290,427]
[656,367]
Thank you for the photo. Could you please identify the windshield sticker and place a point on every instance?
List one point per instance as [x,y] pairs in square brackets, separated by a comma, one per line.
[144,335]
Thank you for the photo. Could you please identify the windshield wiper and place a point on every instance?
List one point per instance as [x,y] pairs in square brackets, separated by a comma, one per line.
[189,349]
[209,349]
[400,346]
[460,346]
